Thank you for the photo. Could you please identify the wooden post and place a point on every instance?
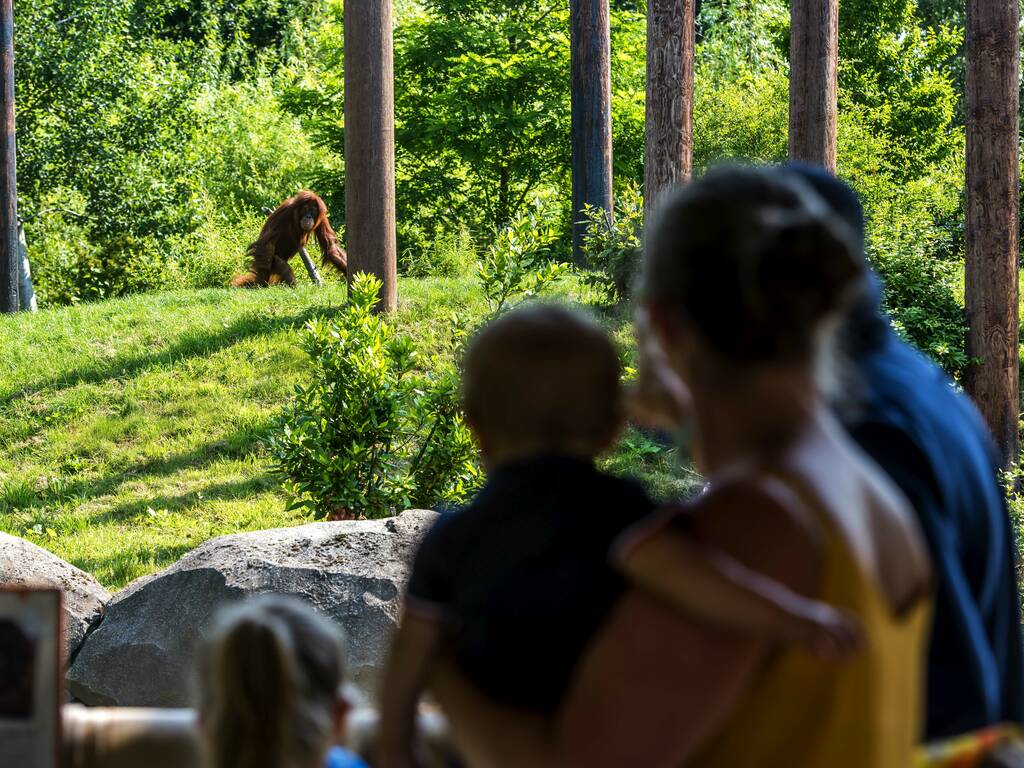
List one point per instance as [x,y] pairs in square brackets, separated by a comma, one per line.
[991,287]
[590,52]
[370,144]
[813,84]
[670,44]
[9,253]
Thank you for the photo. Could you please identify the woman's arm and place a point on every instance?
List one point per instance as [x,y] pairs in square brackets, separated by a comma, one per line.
[654,687]
[413,651]
[631,704]
[713,588]
[488,734]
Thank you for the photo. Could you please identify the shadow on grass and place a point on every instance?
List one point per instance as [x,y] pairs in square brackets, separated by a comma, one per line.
[190,346]
[80,490]
[226,491]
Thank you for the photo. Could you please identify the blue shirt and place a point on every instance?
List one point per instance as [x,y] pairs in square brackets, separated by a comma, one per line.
[339,757]
[933,443]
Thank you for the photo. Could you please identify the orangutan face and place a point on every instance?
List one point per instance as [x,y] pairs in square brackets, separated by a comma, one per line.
[308,216]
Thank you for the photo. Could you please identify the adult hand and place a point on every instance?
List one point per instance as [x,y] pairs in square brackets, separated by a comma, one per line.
[658,399]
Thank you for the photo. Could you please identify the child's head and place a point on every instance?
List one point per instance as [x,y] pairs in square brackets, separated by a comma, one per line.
[270,682]
[541,379]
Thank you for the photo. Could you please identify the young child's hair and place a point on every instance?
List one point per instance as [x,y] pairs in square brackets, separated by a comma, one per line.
[270,678]
[543,374]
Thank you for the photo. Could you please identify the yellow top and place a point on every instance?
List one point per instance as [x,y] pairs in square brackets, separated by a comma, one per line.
[865,713]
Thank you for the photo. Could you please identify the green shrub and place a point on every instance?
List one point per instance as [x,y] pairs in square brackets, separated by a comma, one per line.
[450,255]
[519,264]
[215,252]
[71,264]
[249,152]
[914,238]
[1015,506]
[370,435]
[613,249]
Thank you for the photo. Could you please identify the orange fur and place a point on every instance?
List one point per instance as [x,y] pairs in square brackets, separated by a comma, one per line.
[282,237]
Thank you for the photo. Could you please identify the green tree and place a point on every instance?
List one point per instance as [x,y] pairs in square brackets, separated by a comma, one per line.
[482,107]
[899,70]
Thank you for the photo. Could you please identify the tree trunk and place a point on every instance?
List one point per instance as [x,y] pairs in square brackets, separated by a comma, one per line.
[9,253]
[370,144]
[670,43]
[813,84]
[590,37]
[993,170]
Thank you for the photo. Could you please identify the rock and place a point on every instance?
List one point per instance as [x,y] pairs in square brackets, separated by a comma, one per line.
[23,564]
[142,652]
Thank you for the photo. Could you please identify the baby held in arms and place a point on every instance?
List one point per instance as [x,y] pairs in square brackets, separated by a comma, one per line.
[516,584]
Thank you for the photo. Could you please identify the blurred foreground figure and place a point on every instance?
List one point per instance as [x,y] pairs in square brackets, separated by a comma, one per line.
[271,689]
[516,584]
[745,273]
[932,442]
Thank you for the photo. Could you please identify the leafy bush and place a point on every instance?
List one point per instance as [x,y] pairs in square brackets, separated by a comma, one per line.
[613,249]
[519,262]
[70,264]
[370,435]
[249,151]
[450,255]
[215,252]
[490,77]
[914,237]
[741,117]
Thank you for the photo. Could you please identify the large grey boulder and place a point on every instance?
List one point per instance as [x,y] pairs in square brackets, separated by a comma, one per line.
[142,653]
[23,564]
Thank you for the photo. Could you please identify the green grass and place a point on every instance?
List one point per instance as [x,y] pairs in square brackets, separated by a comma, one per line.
[130,430]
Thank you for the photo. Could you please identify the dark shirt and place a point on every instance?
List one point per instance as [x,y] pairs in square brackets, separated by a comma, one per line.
[521,577]
[932,442]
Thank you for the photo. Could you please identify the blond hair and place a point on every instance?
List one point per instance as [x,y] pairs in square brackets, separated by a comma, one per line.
[270,677]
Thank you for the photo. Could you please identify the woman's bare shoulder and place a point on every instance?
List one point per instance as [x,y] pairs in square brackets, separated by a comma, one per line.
[903,563]
[764,524]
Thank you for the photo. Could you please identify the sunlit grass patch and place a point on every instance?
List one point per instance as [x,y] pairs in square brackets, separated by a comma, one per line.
[132,430]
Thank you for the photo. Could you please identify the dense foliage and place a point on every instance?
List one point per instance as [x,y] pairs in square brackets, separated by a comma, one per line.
[151,134]
[141,123]
[371,435]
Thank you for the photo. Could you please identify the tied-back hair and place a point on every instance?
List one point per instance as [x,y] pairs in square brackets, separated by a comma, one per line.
[757,262]
[270,677]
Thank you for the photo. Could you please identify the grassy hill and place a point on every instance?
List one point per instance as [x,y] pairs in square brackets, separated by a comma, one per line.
[130,430]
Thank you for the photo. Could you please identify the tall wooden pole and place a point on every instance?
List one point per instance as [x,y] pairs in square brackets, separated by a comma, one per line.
[9,255]
[670,44]
[813,84]
[590,52]
[370,144]
[991,287]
